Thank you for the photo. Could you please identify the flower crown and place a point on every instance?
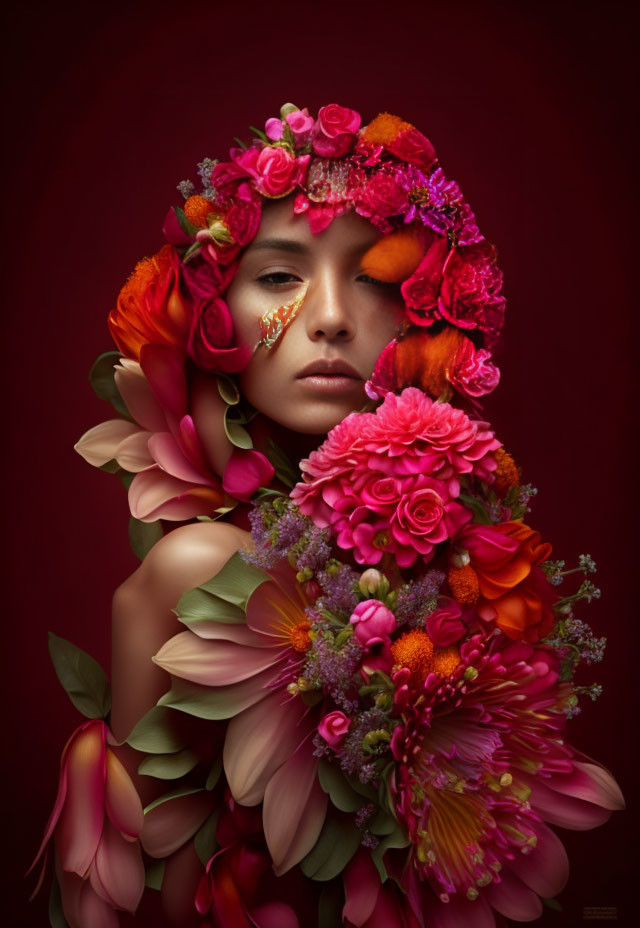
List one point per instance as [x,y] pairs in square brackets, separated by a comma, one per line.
[388,173]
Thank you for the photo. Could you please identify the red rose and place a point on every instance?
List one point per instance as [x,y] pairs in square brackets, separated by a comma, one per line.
[212,342]
[243,218]
[382,195]
[335,130]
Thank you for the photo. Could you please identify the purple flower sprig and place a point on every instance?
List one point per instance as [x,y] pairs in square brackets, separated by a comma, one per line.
[416,600]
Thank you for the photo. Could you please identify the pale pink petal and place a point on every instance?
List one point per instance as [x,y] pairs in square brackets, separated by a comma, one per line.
[294,809]
[133,454]
[82,907]
[546,869]
[155,495]
[513,899]
[564,811]
[57,806]
[260,740]
[120,869]
[139,400]
[190,441]
[361,888]
[167,453]
[121,799]
[169,825]
[80,824]
[270,608]
[213,663]
[274,915]
[226,631]
[99,444]
[220,702]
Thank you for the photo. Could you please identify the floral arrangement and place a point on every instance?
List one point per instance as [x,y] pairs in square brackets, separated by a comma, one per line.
[365,721]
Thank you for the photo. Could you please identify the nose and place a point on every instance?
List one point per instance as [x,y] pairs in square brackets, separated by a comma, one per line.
[326,310]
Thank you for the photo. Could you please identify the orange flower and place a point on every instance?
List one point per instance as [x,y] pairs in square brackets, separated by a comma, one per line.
[150,308]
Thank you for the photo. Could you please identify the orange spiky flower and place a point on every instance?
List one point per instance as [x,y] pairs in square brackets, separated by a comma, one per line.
[506,473]
[464,584]
[196,209]
[425,360]
[384,129]
[396,256]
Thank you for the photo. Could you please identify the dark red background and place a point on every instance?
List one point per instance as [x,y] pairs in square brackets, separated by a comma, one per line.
[530,109]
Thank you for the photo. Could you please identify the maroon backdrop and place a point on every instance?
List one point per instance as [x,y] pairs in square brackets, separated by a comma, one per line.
[529,109]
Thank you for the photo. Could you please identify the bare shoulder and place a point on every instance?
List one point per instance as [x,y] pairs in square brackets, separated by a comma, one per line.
[184,558]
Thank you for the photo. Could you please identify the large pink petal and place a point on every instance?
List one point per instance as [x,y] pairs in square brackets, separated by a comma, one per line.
[121,799]
[590,782]
[80,824]
[213,663]
[57,806]
[561,810]
[82,907]
[361,888]
[119,868]
[260,740]
[225,631]
[294,809]
[164,369]
[190,442]
[459,912]
[220,702]
[386,913]
[100,444]
[546,869]
[271,609]
[139,400]
[155,495]
[167,453]
[169,825]
[513,899]
[274,915]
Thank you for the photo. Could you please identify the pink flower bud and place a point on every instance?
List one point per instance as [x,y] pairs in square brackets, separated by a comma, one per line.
[372,620]
[334,727]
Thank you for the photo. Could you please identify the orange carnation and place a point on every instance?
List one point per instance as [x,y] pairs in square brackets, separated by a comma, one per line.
[384,129]
[506,474]
[150,307]
[196,209]
[396,256]
[424,360]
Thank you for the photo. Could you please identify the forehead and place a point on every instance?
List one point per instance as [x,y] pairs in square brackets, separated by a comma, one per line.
[280,223]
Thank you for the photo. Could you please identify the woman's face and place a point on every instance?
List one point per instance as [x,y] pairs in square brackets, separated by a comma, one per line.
[315,374]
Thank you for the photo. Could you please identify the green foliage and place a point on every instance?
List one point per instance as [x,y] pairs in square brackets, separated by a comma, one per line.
[235,431]
[187,227]
[174,794]
[397,838]
[154,874]
[205,843]
[155,733]
[143,536]
[56,913]
[102,379]
[168,766]
[208,702]
[332,781]
[83,679]
[214,774]
[285,471]
[228,390]
[236,581]
[338,842]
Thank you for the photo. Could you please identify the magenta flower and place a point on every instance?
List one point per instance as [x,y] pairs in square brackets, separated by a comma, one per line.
[373,621]
[482,764]
[334,133]
[334,727]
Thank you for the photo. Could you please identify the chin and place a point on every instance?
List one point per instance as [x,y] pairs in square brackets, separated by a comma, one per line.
[315,422]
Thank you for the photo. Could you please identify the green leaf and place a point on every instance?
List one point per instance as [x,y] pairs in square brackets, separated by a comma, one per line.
[56,912]
[333,782]
[228,390]
[364,789]
[102,379]
[397,838]
[154,874]
[168,766]
[338,842]
[383,823]
[235,432]
[187,227]
[198,606]
[111,467]
[330,905]
[156,733]
[208,702]
[240,143]
[236,581]
[214,774]
[143,536]
[205,843]
[285,471]
[174,794]
[125,478]
[551,904]
[477,508]
[259,132]
[82,677]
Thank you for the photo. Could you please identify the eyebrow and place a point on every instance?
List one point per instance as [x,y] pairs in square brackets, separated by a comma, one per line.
[281,244]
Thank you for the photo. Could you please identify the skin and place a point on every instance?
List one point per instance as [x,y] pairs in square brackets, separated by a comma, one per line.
[346,316]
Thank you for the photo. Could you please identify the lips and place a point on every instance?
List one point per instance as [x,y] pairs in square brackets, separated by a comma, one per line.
[329,367]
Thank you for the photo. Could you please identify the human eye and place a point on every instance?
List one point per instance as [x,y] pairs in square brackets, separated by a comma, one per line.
[275,279]
[374,282]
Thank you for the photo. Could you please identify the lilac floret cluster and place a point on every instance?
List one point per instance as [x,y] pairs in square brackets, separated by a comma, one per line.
[339,584]
[418,599]
[280,531]
[333,667]
[352,757]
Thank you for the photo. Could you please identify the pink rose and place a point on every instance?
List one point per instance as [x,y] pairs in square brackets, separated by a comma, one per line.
[445,625]
[421,513]
[334,727]
[212,342]
[472,373]
[335,130]
[382,195]
[278,171]
[373,622]
[301,125]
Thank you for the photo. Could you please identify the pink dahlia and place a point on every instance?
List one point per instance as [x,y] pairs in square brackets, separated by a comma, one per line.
[482,764]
